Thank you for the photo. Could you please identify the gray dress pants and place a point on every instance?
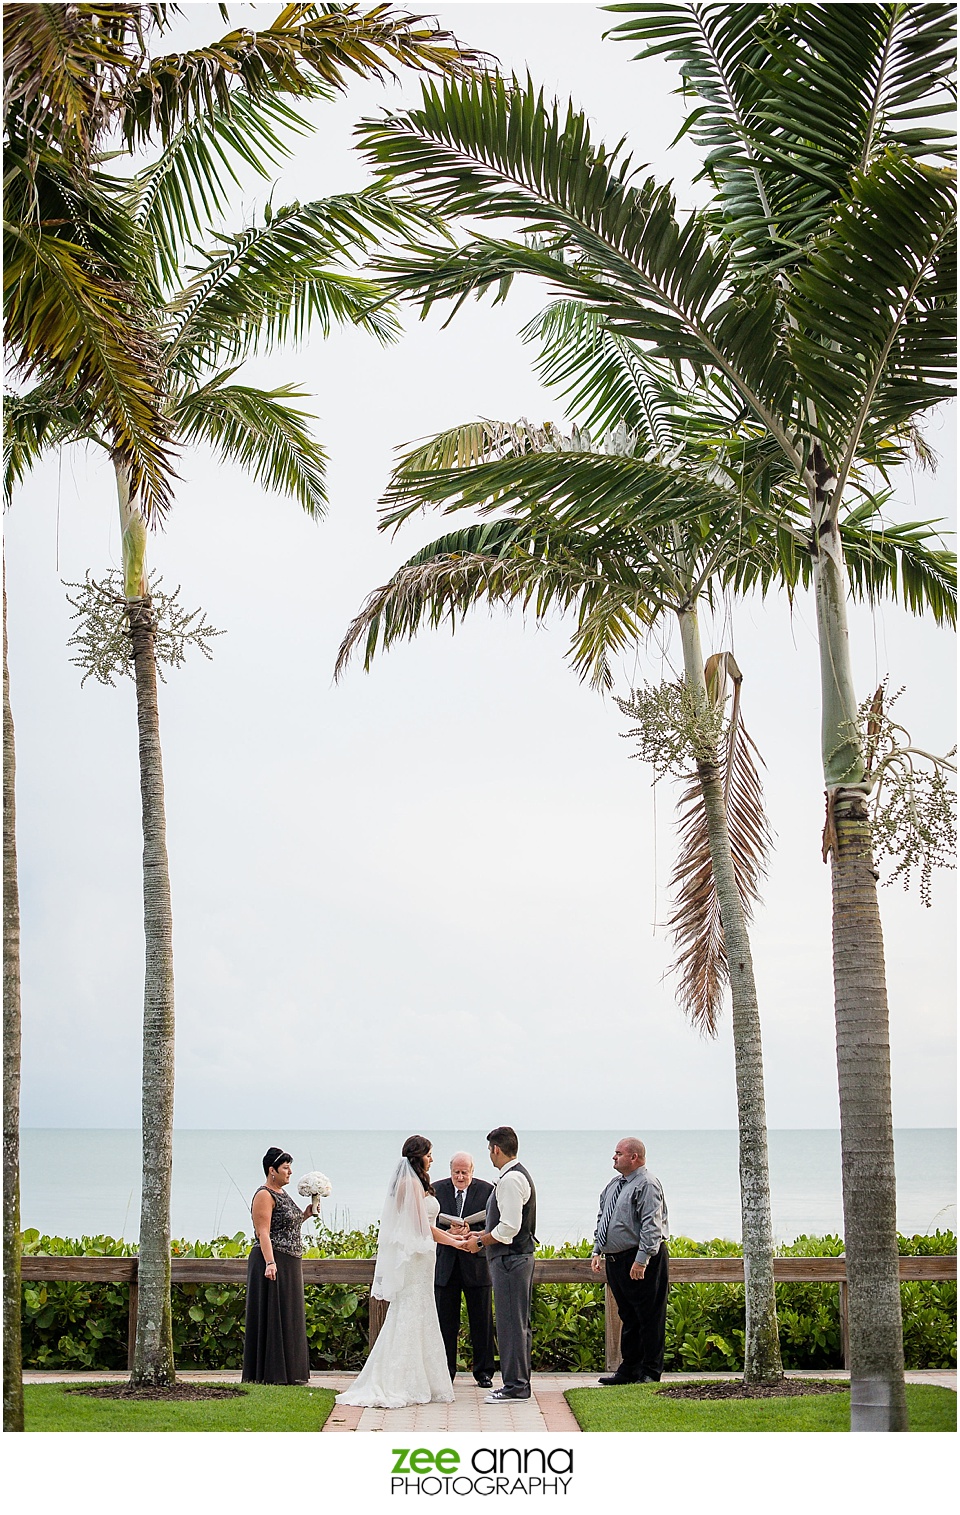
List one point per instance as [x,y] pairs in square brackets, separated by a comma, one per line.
[511,1274]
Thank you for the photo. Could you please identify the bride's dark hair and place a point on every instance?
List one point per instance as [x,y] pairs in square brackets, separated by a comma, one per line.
[415,1149]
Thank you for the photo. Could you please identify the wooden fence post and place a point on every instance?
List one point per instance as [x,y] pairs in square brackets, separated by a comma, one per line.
[844,1325]
[132,1325]
[611,1330]
[378,1314]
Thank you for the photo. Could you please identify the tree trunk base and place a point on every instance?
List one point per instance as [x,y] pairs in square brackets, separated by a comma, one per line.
[874,1406]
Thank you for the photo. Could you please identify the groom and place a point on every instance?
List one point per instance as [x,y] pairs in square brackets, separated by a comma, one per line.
[509,1241]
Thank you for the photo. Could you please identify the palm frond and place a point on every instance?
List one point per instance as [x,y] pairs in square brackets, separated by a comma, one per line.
[71,326]
[59,61]
[875,305]
[701,962]
[900,561]
[32,424]
[577,490]
[514,564]
[612,381]
[183,191]
[307,49]
[273,282]
[262,432]
[701,956]
[629,514]
[607,379]
[844,84]
[721,51]
[489,150]
[791,102]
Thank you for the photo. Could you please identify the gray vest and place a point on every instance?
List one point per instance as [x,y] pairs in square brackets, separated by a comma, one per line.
[524,1241]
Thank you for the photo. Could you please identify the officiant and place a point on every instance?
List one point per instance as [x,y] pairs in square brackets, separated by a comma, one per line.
[463,1197]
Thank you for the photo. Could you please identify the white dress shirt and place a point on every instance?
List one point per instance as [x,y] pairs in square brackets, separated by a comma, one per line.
[513,1191]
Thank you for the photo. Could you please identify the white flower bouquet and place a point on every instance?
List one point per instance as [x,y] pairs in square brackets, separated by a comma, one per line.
[315,1186]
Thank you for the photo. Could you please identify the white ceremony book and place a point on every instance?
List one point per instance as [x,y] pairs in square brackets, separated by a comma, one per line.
[456,1220]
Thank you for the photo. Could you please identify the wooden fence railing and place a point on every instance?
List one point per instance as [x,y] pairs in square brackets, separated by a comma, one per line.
[547,1270]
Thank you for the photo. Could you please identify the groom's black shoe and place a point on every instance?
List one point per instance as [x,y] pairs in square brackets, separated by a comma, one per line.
[484,1381]
[499,1395]
[615,1379]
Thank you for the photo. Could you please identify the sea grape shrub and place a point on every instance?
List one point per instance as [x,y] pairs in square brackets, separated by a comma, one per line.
[566,1320]
[74,1325]
[568,1328]
[35,1245]
[929,1310]
[343,1243]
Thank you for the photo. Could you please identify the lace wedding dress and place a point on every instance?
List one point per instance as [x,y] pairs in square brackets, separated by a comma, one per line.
[408,1363]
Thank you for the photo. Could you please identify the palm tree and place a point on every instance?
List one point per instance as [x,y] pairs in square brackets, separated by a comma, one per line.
[619,579]
[622,537]
[249,288]
[93,315]
[12,1356]
[819,288]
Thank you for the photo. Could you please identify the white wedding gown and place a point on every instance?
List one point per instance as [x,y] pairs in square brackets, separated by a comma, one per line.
[408,1364]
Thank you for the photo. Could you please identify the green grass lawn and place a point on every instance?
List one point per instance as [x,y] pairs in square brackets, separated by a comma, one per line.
[263,1407]
[639,1407]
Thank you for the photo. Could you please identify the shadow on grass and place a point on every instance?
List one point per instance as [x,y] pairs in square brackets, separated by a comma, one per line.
[262,1407]
[639,1407]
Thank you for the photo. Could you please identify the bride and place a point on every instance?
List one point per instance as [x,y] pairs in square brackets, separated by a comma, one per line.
[408,1362]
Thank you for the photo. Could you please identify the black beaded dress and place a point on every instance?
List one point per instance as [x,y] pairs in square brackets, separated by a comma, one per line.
[275,1342]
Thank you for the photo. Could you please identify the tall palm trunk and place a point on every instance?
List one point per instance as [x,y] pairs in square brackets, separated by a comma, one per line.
[153,1358]
[762,1361]
[877,1395]
[12,1358]
[153,1352]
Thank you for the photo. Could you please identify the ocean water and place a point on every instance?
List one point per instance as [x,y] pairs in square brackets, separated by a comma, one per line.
[84,1182]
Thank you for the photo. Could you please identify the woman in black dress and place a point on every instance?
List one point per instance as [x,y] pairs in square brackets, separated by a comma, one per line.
[275,1343]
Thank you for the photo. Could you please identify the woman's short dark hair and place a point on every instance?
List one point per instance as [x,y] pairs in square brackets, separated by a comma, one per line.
[505,1138]
[273,1157]
[415,1149]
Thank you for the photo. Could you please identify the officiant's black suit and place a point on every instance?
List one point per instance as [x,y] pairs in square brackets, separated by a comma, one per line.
[469,1274]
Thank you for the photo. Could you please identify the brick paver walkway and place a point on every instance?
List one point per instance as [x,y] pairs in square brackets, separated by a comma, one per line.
[546,1410]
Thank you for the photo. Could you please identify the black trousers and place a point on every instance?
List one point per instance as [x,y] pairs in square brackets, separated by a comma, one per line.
[479,1299]
[642,1307]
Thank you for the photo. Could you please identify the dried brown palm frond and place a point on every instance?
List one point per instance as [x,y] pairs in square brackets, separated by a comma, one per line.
[503,562]
[696,922]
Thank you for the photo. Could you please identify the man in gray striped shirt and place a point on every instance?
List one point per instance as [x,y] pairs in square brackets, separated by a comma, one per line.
[630,1243]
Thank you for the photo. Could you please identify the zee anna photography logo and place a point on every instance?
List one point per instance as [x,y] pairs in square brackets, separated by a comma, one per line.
[488,1470]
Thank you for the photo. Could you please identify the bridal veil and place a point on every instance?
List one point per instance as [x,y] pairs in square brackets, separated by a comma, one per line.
[404,1231]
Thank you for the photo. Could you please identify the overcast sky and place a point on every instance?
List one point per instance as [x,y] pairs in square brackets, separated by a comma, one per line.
[431,895]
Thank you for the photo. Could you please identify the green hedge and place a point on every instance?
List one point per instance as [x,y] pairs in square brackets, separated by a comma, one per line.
[81,1325]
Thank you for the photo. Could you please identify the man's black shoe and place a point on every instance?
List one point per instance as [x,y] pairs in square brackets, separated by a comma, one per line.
[647,1378]
[484,1381]
[615,1379]
[499,1395]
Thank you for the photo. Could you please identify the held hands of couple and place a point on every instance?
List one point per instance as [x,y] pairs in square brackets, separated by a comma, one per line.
[461,1237]
[478,1240]
[467,1240]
